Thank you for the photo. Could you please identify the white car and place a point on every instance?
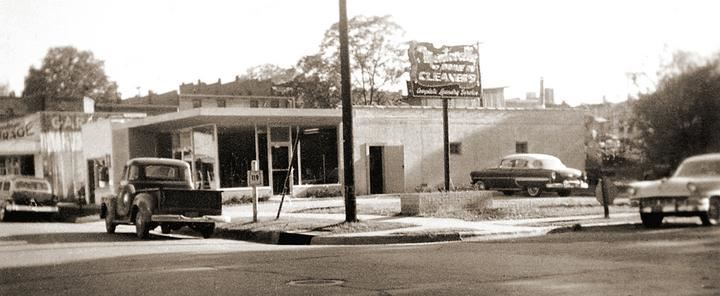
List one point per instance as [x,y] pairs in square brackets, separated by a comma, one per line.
[693,190]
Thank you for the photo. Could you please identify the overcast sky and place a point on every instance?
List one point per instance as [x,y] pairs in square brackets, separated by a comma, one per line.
[583,49]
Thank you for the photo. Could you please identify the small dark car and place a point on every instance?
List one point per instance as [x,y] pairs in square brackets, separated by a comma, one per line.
[26,194]
[532,173]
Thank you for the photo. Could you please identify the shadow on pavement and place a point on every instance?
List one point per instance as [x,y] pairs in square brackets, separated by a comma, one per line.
[627,228]
[81,237]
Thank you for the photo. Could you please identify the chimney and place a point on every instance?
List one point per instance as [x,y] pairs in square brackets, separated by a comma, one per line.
[542,92]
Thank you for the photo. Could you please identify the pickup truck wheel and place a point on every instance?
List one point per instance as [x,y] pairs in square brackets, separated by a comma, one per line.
[712,216]
[651,220]
[142,224]
[109,224]
[533,191]
[206,229]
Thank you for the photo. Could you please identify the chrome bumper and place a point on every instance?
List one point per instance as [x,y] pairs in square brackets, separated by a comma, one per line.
[568,185]
[186,219]
[34,209]
[676,206]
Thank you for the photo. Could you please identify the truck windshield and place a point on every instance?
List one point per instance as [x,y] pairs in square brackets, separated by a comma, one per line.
[165,172]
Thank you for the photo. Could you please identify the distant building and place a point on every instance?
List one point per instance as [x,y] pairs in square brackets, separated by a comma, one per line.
[549,97]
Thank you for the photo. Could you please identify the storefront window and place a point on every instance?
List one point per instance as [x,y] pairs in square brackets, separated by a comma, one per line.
[319,155]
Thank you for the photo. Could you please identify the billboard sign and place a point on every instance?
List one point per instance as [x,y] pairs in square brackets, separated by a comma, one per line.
[447,71]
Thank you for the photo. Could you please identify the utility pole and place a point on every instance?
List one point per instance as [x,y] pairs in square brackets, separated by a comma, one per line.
[348,172]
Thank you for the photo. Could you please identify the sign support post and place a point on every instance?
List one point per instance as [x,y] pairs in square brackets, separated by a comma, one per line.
[255,178]
[446,143]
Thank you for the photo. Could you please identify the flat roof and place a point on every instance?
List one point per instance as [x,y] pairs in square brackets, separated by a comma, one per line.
[233,117]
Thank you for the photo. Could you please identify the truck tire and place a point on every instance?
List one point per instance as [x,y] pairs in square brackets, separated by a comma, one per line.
[109,222]
[205,229]
[142,223]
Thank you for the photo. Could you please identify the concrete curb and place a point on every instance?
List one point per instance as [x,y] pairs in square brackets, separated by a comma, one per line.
[291,238]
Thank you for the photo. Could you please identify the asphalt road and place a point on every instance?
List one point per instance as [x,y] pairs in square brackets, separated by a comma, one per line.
[80,259]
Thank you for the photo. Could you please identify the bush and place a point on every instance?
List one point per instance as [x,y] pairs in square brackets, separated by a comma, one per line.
[323,192]
[235,199]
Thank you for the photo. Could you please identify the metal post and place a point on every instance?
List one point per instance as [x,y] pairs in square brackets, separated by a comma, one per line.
[605,198]
[254,167]
[349,174]
[446,144]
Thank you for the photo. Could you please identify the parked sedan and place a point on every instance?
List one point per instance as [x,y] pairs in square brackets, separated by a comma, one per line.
[693,190]
[532,173]
[26,194]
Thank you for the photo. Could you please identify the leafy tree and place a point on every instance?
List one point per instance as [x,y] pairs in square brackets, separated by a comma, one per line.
[377,57]
[67,72]
[681,117]
[316,84]
[4,89]
[271,72]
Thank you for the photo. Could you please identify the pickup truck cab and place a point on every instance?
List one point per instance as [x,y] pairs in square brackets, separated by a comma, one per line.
[159,192]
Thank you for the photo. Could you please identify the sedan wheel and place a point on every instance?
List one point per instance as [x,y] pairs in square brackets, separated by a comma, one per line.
[651,220]
[533,191]
[712,216]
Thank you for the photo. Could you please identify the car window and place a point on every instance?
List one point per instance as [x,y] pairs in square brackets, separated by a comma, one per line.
[521,164]
[536,164]
[134,173]
[164,172]
[507,163]
[31,186]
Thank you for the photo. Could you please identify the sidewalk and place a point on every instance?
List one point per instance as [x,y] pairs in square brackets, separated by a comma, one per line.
[417,230]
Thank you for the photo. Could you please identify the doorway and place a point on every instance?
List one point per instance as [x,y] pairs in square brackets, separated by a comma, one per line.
[376,170]
[386,169]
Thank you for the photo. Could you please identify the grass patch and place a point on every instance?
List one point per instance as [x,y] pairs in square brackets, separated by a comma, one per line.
[327,226]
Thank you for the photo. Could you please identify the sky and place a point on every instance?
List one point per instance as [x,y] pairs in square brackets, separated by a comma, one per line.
[584,50]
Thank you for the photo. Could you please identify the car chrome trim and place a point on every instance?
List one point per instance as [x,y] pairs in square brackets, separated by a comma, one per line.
[182,218]
[36,209]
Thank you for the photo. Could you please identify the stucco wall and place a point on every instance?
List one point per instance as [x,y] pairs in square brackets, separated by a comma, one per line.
[485,135]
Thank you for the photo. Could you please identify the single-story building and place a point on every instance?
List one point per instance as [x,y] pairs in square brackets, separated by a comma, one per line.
[396,149]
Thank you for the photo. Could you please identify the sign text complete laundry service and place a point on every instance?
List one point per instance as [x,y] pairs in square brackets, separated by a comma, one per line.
[451,71]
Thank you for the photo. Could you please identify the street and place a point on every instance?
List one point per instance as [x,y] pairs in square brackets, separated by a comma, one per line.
[40,258]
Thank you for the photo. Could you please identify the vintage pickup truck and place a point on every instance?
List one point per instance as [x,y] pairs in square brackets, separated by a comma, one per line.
[159,192]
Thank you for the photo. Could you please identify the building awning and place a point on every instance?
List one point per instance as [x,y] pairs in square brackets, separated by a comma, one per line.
[234,117]
[20,146]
